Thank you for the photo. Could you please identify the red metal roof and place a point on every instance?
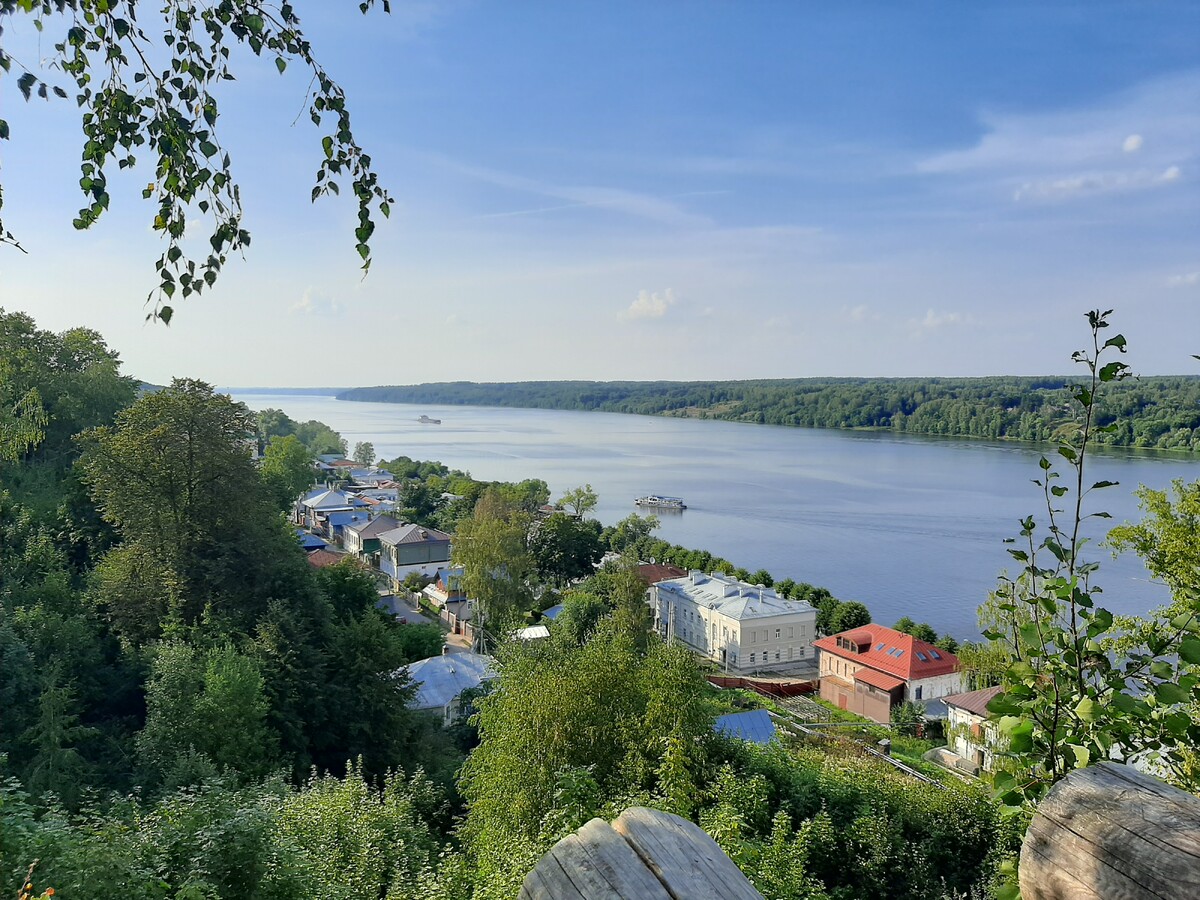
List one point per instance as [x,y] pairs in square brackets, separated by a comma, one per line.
[892,652]
[877,679]
[653,573]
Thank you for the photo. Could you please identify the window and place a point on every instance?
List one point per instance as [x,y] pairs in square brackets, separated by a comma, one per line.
[751,657]
[777,633]
[879,647]
[935,654]
[917,694]
[922,657]
[776,656]
[791,631]
[754,637]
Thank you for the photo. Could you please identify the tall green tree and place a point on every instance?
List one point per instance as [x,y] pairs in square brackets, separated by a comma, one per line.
[849,615]
[206,712]
[174,475]
[287,469]
[491,548]
[57,765]
[579,501]
[364,453]
[565,548]
[561,737]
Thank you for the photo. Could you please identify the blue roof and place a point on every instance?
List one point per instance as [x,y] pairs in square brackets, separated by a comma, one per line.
[338,519]
[309,541]
[552,612]
[754,726]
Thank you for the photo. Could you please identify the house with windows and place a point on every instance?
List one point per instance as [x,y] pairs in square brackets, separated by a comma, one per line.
[412,548]
[362,538]
[870,669]
[744,628]
[970,735]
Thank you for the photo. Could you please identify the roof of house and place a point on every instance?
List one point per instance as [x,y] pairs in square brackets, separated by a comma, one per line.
[346,518]
[878,679]
[309,541]
[412,534]
[532,633]
[319,559]
[973,701]
[733,598]
[552,612]
[754,726]
[327,499]
[890,651]
[440,679]
[373,528]
[653,573]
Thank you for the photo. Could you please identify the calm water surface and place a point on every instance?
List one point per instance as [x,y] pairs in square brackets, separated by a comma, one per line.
[908,525]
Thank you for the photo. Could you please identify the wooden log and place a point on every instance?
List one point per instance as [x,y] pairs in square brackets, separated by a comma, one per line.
[1108,832]
[685,859]
[644,855]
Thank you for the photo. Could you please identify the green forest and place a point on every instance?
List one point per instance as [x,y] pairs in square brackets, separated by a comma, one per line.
[1154,412]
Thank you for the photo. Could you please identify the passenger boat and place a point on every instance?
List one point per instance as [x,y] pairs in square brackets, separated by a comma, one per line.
[656,502]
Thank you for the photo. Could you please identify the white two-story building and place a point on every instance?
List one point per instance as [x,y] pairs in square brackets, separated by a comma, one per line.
[744,628]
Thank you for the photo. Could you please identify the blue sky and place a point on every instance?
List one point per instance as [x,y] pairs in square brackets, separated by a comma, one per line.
[669,190]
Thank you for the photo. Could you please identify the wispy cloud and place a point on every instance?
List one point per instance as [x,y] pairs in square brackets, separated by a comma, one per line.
[1187,279]
[649,305]
[631,203]
[1095,183]
[314,302]
[1138,139]
[938,319]
[861,313]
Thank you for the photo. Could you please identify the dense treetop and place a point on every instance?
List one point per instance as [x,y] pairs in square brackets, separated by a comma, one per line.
[1161,412]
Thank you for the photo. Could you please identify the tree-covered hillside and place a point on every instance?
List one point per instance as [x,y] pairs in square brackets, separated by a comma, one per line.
[1161,412]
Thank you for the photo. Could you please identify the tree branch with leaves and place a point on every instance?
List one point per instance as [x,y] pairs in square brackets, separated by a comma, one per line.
[138,100]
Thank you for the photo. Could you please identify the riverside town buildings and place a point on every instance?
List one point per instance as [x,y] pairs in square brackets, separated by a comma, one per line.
[742,627]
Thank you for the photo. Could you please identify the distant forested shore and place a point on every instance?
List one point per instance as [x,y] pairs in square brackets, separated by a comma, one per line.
[1161,412]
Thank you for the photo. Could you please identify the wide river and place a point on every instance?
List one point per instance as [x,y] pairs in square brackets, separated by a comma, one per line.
[908,525]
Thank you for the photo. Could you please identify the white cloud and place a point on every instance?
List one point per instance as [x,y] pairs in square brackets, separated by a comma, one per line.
[935,319]
[1094,183]
[1132,144]
[649,305]
[314,302]
[1189,279]
[861,313]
